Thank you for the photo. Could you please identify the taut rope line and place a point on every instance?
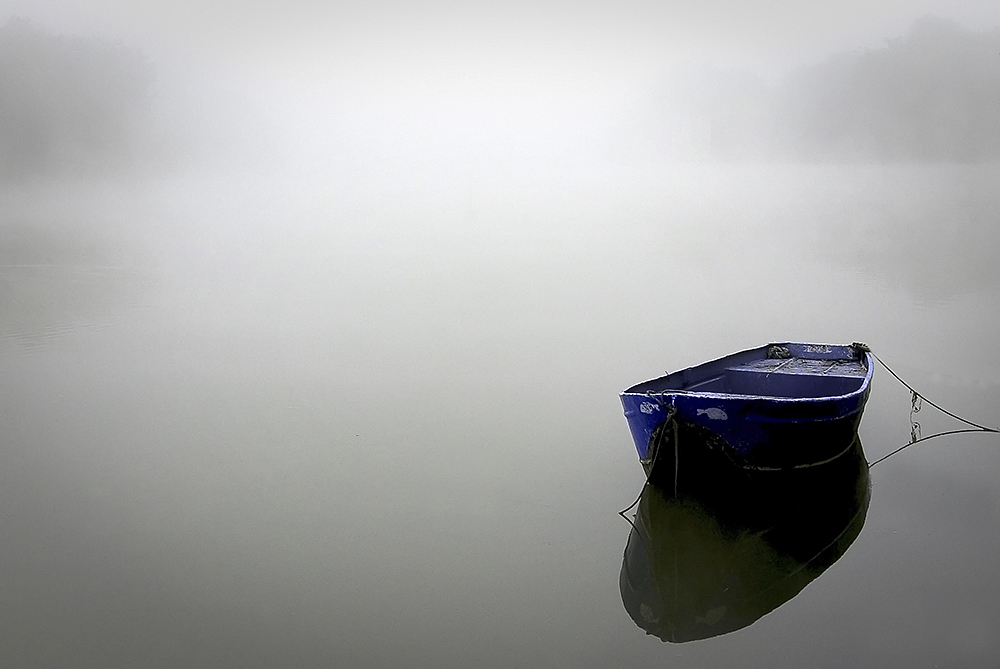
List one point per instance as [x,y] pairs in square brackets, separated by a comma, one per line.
[915,427]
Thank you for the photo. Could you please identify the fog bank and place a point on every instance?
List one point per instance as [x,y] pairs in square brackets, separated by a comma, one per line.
[932,95]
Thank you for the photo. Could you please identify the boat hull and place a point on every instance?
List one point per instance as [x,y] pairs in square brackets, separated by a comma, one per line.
[758,425]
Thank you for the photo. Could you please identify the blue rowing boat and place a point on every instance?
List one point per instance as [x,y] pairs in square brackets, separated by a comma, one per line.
[780,406]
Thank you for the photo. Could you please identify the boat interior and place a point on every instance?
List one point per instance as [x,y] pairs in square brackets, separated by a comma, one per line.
[790,373]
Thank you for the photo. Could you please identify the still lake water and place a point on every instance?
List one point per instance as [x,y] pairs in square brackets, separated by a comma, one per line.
[258,422]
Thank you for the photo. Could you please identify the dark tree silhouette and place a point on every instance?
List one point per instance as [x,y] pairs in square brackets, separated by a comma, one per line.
[68,104]
[931,95]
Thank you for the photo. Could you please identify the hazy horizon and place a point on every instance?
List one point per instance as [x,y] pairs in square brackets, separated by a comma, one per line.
[453,90]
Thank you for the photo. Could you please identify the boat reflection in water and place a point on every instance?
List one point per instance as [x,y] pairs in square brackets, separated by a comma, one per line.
[714,547]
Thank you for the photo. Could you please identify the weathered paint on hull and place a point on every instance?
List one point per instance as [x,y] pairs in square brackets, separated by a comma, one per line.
[753,426]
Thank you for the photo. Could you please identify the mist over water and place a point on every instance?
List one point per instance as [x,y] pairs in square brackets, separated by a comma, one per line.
[313,355]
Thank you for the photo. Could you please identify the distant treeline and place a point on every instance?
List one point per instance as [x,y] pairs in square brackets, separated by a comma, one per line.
[932,95]
[69,105]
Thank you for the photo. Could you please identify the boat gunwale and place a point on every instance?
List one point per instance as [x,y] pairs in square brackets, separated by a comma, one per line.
[740,396]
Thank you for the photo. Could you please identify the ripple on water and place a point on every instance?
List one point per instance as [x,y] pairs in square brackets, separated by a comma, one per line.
[44,304]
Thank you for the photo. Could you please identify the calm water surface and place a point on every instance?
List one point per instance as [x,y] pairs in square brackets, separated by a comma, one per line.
[258,422]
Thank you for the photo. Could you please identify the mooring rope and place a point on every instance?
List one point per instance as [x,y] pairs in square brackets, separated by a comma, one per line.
[915,399]
[671,412]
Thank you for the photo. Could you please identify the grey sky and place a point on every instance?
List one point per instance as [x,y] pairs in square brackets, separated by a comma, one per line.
[452,70]
[382,37]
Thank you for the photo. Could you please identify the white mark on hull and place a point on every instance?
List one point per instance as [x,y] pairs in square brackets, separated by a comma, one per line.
[713,413]
[648,407]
